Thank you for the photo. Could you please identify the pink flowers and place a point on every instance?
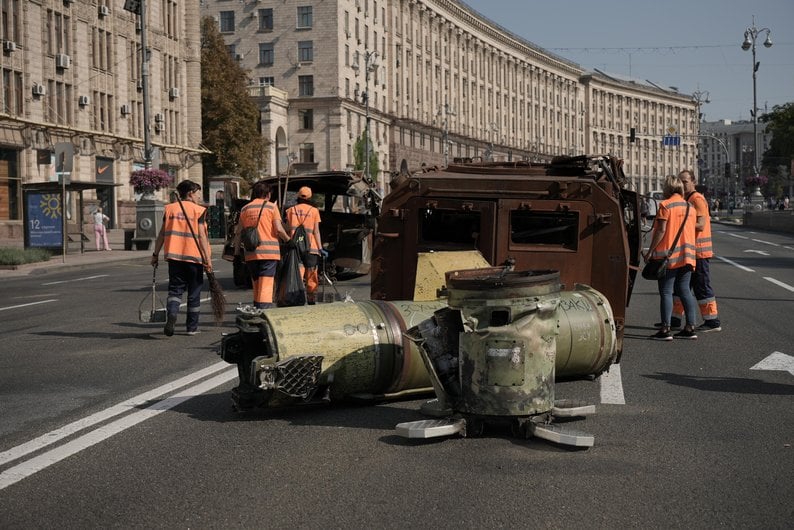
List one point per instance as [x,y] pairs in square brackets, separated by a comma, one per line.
[149,180]
[756,180]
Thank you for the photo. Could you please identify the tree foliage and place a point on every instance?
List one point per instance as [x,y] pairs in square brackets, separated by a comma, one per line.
[359,156]
[229,118]
[778,158]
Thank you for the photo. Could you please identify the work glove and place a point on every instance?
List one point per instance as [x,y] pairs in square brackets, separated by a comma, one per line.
[323,253]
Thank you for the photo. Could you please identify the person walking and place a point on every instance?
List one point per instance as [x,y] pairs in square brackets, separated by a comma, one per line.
[701,277]
[674,214]
[100,232]
[306,215]
[263,260]
[186,260]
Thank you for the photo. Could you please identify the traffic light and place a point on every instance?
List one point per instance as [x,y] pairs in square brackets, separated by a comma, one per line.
[727,170]
[632,134]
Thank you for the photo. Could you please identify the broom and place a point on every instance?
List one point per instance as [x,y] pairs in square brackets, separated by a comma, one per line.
[218,299]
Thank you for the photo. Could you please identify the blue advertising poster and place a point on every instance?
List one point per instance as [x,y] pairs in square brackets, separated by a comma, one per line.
[44,219]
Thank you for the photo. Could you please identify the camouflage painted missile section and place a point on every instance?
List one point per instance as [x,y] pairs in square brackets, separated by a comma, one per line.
[493,352]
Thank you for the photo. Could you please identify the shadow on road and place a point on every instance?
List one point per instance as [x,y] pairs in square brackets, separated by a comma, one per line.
[733,385]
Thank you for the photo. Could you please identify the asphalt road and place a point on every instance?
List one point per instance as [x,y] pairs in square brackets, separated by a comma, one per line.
[107,423]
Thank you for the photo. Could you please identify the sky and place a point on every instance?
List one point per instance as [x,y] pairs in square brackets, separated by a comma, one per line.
[694,45]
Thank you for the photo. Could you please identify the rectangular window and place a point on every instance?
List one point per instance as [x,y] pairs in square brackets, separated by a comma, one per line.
[305,85]
[59,32]
[304,16]
[266,19]
[9,186]
[305,51]
[227,21]
[267,81]
[266,53]
[449,228]
[307,153]
[306,118]
[550,229]
[12,93]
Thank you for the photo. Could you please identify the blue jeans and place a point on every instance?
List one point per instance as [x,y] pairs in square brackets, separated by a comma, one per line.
[185,276]
[677,281]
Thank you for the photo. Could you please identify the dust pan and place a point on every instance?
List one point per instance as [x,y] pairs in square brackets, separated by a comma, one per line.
[151,308]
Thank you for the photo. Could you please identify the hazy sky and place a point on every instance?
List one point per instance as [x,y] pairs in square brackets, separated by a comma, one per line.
[693,44]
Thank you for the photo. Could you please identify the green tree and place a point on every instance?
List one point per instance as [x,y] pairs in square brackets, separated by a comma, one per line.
[777,159]
[229,118]
[358,156]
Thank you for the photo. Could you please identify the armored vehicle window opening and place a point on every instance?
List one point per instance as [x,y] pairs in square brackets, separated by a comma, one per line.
[548,229]
[450,228]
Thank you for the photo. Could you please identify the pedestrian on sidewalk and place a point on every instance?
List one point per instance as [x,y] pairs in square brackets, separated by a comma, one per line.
[185,263]
[100,232]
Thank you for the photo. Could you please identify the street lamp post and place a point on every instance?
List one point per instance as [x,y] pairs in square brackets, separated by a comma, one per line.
[700,97]
[750,36]
[370,65]
[445,112]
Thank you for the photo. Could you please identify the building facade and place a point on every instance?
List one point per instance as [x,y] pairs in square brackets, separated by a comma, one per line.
[436,80]
[71,76]
[726,142]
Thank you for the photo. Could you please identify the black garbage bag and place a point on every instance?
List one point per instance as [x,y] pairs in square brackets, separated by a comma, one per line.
[290,290]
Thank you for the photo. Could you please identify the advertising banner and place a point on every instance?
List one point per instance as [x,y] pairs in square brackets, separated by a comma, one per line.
[44,220]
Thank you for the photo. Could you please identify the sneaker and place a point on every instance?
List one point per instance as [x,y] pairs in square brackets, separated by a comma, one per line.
[170,322]
[708,328]
[194,332]
[686,334]
[662,334]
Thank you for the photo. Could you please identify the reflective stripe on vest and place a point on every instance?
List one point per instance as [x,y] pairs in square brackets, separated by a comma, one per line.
[306,215]
[268,241]
[179,243]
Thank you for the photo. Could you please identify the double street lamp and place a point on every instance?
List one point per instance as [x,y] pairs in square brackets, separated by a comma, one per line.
[750,36]
[700,97]
[370,65]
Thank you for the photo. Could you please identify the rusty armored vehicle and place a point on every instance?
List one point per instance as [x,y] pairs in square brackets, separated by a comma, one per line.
[574,215]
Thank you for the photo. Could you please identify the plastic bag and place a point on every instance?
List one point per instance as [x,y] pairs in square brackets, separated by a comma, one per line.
[301,241]
[290,289]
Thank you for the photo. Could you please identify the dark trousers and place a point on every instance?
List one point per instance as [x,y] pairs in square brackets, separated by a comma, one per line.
[184,276]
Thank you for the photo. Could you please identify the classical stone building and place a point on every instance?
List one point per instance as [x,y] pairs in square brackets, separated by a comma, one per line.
[438,81]
[71,76]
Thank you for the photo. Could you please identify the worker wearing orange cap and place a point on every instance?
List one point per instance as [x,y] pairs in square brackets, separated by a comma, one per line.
[303,213]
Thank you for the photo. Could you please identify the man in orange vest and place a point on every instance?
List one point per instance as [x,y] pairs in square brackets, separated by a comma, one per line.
[184,223]
[308,216]
[263,260]
[701,279]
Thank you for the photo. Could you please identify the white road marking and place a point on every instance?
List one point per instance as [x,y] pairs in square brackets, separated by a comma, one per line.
[762,252]
[737,235]
[612,386]
[89,421]
[726,260]
[29,304]
[77,279]
[779,283]
[766,242]
[776,361]
[53,456]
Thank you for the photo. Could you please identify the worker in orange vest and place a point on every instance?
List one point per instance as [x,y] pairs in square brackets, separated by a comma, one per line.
[263,260]
[673,215]
[184,222]
[306,215]
[701,278]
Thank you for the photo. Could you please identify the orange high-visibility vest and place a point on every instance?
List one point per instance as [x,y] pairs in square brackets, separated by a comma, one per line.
[704,246]
[673,211]
[308,216]
[268,240]
[179,243]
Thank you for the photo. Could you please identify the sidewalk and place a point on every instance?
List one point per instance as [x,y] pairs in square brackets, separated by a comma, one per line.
[85,260]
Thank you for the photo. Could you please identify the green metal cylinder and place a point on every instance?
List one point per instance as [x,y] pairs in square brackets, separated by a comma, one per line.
[362,343]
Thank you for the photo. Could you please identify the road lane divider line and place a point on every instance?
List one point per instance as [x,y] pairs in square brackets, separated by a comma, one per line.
[779,283]
[765,242]
[612,386]
[131,404]
[77,279]
[28,304]
[737,235]
[53,456]
[726,260]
